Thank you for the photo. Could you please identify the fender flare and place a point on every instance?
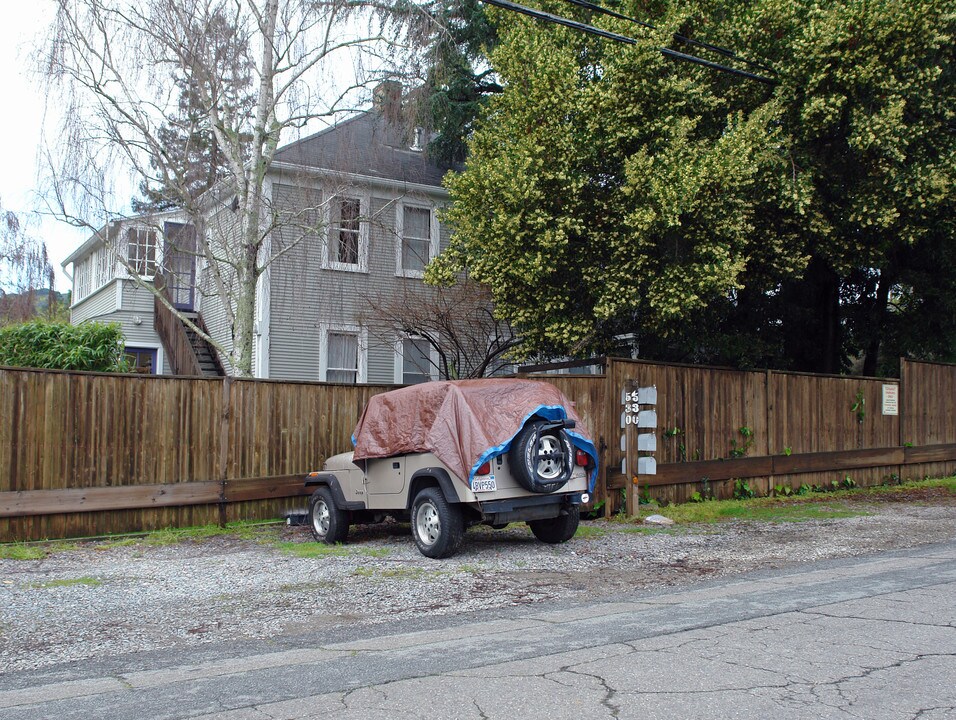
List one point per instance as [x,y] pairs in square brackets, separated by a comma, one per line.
[330,481]
[437,474]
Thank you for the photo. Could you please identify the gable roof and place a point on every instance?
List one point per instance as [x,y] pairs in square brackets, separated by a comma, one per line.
[366,144]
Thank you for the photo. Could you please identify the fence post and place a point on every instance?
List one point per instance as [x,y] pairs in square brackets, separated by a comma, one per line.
[902,411]
[768,404]
[224,446]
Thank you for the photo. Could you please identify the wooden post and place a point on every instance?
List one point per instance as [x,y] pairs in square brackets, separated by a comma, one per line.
[224,447]
[633,495]
[902,411]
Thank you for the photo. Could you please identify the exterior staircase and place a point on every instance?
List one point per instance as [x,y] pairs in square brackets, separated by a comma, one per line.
[206,356]
[188,353]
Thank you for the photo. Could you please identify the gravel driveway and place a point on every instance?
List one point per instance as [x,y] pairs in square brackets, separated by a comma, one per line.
[99,600]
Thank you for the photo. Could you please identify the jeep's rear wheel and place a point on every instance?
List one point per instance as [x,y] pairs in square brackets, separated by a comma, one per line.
[559,529]
[541,458]
[437,525]
[330,524]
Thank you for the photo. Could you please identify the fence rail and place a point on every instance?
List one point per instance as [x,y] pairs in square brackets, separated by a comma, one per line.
[85,453]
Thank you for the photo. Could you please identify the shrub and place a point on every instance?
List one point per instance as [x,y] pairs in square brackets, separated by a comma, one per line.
[92,346]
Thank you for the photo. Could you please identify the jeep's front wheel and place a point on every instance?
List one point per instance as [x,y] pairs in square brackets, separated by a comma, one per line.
[437,525]
[330,523]
[559,529]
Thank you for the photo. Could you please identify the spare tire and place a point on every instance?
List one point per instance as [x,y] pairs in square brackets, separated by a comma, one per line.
[541,457]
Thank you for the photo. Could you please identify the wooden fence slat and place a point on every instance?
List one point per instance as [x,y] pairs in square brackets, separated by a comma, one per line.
[835,461]
[691,472]
[266,488]
[929,454]
[73,500]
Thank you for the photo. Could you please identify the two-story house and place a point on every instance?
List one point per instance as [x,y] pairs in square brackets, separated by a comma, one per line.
[369,226]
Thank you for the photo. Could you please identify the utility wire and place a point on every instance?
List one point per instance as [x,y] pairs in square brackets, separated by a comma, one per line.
[726,52]
[591,30]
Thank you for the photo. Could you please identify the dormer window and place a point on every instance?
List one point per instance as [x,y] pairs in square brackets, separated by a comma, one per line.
[418,139]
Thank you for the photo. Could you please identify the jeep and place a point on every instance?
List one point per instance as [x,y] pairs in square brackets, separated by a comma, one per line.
[447,455]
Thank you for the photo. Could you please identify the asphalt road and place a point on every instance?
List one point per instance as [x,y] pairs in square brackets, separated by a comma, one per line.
[871,637]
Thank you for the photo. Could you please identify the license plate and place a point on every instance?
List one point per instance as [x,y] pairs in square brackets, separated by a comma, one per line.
[484,484]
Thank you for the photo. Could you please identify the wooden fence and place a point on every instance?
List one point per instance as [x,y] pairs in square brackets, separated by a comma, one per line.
[87,454]
[771,428]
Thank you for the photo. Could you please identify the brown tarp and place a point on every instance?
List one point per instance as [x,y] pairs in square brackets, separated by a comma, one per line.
[463,422]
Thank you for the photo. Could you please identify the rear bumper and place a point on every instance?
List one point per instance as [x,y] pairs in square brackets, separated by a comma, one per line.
[522,509]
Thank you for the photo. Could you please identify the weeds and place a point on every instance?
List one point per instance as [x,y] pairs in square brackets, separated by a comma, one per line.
[33,551]
[87,581]
[589,531]
[740,449]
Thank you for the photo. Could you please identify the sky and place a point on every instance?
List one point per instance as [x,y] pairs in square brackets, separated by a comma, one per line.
[20,131]
[23,27]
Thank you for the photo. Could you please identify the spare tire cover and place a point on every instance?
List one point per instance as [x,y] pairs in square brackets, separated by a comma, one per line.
[540,459]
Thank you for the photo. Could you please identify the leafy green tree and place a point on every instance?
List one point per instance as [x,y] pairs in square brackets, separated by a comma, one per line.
[94,346]
[457,37]
[867,97]
[610,190]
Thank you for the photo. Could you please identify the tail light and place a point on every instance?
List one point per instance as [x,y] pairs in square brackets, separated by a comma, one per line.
[484,469]
[581,458]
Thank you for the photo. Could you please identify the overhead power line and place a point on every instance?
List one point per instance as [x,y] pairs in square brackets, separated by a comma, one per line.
[677,36]
[616,37]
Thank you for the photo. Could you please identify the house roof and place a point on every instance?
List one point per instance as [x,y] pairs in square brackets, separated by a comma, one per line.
[368,145]
[95,240]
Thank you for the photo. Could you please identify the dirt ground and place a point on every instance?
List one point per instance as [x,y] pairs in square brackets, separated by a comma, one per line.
[102,599]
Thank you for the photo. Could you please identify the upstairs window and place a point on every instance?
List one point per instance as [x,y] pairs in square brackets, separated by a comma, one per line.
[82,279]
[416,361]
[344,231]
[417,240]
[141,251]
[346,246]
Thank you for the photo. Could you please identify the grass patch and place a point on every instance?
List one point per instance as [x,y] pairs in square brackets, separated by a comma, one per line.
[171,536]
[760,510]
[589,531]
[87,581]
[842,503]
[312,549]
[34,551]
[19,551]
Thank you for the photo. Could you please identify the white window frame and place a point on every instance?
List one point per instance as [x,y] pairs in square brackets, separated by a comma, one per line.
[160,353]
[364,204]
[157,255]
[400,236]
[361,376]
[399,375]
[82,279]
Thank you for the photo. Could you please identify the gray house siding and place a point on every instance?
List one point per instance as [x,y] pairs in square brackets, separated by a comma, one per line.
[96,305]
[135,315]
[307,298]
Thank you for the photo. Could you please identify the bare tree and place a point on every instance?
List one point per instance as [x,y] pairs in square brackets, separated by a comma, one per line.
[116,68]
[24,270]
[457,322]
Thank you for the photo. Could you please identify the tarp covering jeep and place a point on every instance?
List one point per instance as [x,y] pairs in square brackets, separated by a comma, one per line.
[463,422]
